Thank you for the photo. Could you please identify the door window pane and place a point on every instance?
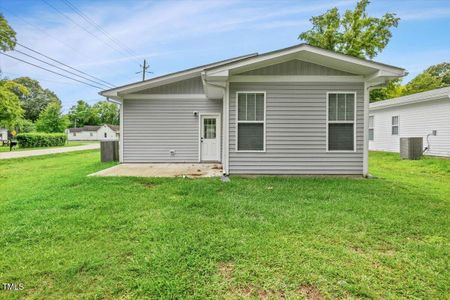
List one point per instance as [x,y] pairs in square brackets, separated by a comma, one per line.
[209,128]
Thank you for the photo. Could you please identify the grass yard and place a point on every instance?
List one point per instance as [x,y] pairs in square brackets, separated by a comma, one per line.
[68,144]
[66,236]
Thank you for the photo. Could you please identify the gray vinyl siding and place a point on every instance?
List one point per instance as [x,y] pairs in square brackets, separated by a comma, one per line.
[187,86]
[296,131]
[296,67]
[151,128]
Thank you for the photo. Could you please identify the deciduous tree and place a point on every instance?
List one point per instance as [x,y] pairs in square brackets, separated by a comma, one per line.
[82,114]
[107,113]
[37,98]
[355,33]
[52,119]
[7,35]
[11,112]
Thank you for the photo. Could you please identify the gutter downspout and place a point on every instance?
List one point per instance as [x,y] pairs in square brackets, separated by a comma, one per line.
[225,120]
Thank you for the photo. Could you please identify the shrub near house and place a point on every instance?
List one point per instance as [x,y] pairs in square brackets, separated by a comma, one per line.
[36,139]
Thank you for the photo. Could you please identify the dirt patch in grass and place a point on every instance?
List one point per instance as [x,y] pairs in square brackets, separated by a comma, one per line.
[251,291]
[226,270]
[148,185]
[310,292]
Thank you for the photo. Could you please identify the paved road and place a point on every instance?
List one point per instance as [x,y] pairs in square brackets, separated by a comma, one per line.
[17,154]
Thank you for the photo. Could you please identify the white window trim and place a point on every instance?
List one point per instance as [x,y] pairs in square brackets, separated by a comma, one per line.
[398,125]
[371,128]
[257,122]
[342,122]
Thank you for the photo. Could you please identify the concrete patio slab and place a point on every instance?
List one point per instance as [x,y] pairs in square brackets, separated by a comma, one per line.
[163,170]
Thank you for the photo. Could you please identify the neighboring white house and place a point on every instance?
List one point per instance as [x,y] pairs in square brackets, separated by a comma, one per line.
[297,110]
[3,134]
[419,115]
[93,133]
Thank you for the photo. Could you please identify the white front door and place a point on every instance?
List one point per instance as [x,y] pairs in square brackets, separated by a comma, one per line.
[209,138]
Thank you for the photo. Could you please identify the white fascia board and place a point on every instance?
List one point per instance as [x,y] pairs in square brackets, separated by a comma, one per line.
[164,96]
[294,78]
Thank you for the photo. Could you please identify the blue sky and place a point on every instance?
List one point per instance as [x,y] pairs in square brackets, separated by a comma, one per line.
[174,35]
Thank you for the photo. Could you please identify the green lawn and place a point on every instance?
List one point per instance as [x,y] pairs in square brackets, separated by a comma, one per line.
[68,144]
[67,236]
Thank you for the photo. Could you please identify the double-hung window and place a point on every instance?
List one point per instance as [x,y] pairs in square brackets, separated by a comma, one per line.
[341,121]
[250,121]
[371,128]
[394,129]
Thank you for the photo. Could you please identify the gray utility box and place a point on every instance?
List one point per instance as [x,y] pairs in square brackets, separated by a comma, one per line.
[109,151]
[411,147]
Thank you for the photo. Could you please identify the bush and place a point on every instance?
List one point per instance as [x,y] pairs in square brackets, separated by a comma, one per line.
[38,139]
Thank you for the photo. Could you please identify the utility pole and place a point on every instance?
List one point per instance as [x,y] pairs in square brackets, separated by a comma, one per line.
[145,67]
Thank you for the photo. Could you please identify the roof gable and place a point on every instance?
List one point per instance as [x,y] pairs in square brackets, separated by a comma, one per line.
[187,86]
[296,67]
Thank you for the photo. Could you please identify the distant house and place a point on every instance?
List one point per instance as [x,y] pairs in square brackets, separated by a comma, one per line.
[93,133]
[419,115]
[3,134]
[298,110]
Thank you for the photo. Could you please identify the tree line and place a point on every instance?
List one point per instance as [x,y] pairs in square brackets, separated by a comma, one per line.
[26,106]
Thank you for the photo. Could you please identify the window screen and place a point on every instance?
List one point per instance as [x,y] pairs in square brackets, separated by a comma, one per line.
[250,121]
[341,121]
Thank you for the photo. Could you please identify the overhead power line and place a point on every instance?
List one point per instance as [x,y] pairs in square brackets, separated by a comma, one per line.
[84,28]
[96,25]
[62,69]
[51,71]
[46,33]
[57,61]
[38,79]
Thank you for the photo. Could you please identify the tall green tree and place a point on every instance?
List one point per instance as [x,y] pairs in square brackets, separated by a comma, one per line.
[37,98]
[434,77]
[441,71]
[355,33]
[52,119]
[393,89]
[107,113]
[82,114]
[7,35]
[421,83]
[11,112]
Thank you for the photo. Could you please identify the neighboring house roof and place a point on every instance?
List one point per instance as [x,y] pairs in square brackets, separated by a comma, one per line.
[114,127]
[93,128]
[414,98]
[374,72]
